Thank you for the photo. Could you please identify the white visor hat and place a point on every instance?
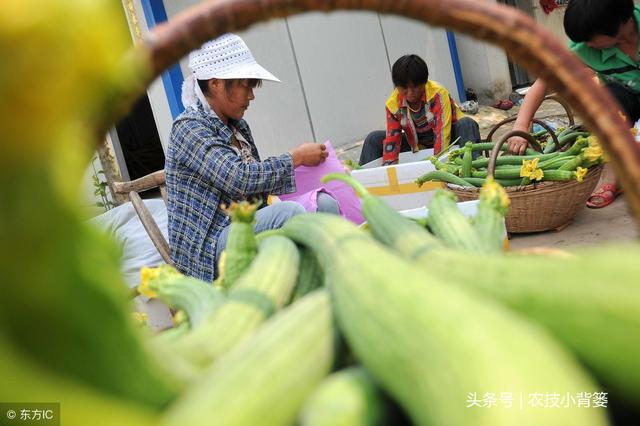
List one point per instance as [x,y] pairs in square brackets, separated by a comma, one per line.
[226,57]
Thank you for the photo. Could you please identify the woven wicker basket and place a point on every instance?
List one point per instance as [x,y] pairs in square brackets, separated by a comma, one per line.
[540,206]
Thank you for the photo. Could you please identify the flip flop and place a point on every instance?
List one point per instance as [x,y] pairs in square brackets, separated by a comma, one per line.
[607,193]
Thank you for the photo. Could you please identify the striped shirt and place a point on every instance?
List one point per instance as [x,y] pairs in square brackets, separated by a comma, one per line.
[431,126]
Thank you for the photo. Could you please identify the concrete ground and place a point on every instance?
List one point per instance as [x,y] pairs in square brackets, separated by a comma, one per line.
[590,226]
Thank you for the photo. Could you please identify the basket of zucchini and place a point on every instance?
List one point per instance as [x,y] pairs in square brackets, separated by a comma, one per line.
[546,186]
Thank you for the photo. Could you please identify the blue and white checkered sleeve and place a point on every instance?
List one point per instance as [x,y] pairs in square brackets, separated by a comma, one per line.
[207,155]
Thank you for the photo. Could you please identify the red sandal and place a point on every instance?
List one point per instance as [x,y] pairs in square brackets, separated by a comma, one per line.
[503,104]
[607,193]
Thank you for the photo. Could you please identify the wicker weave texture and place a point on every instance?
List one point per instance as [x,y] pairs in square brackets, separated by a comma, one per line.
[542,206]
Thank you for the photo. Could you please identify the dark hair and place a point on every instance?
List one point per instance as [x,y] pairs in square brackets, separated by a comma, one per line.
[409,69]
[251,82]
[585,19]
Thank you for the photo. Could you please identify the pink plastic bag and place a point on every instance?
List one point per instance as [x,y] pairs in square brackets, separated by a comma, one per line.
[308,185]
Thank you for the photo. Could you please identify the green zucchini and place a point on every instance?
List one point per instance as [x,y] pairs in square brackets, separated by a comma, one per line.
[558,175]
[263,289]
[448,167]
[564,139]
[241,245]
[571,137]
[577,147]
[80,403]
[590,304]
[310,275]
[348,397]
[449,224]
[515,160]
[550,146]
[266,379]
[66,306]
[170,335]
[539,133]
[488,222]
[478,182]
[430,343]
[442,176]
[573,164]
[507,166]
[466,161]
[482,146]
[556,162]
[513,173]
[387,225]
[196,298]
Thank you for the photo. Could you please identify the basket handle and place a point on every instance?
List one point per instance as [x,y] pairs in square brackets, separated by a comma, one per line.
[534,120]
[564,104]
[527,43]
[496,148]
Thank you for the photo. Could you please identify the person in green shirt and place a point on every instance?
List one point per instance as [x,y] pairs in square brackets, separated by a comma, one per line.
[605,36]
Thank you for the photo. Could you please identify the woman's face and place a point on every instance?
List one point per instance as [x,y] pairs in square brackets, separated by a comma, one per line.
[230,102]
[412,93]
[625,32]
[601,42]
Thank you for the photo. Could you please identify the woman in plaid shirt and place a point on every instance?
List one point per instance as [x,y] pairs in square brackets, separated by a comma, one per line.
[212,159]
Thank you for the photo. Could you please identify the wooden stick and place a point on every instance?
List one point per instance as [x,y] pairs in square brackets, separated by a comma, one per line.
[151,226]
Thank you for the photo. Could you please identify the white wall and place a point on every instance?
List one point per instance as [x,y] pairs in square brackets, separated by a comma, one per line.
[346,77]
[430,43]
[484,68]
[335,73]
[552,22]
[278,116]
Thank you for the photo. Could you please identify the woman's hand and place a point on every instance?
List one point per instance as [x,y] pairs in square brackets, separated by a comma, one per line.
[532,101]
[517,145]
[309,154]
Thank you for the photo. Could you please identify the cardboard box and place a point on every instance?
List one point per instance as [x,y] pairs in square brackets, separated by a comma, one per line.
[396,184]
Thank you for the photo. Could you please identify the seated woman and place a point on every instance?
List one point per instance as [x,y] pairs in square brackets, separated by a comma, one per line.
[420,114]
[213,161]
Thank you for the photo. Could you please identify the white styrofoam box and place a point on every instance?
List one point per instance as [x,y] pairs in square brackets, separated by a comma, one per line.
[468,208]
[396,184]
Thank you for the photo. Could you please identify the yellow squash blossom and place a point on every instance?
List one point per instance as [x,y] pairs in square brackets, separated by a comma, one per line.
[493,193]
[580,173]
[140,318]
[146,275]
[537,174]
[179,317]
[530,170]
[593,153]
